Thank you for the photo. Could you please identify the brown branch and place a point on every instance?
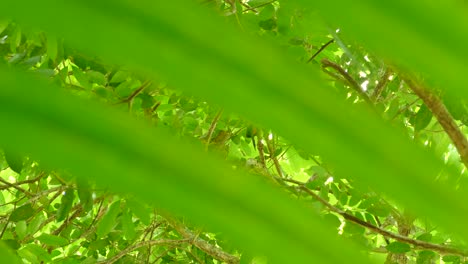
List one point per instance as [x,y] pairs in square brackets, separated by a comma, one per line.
[213,127]
[438,109]
[245,5]
[15,186]
[155,107]
[354,85]
[261,152]
[5,227]
[38,178]
[135,93]
[324,46]
[202,244]
[335,76]
[271,149]
[417,244]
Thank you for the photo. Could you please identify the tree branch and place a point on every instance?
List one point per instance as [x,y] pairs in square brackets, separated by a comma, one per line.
[354,85]
[202,244]
[135,93]
[321,49]
[438,109]
[417,244]
[212,128]
[15,186]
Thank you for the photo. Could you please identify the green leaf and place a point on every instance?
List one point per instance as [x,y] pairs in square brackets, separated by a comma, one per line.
[128,227]
[451,259]
[66,204]
[3,25]
[14,160]
[125,88]
[108,223]
[85,194]
[353,229]
[255,3]
[7,255]
[11,244]
[82,78]
[89,260]
[26,254]
[379,209]
[22,213]
[52,240]
[96,77]
[425,257]
[34,253]
[98,244]
[119,76]
[147,100]
[35,223]
[422,118]
[267,24]
[15,39]
[398,247]
[21,229]
[267,12]
[425,237]
[2,201]
[142,212]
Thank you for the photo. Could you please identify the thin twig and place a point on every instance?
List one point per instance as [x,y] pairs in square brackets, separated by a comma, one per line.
[135,93]
[417,244]
[327,63]
[213,127]
[4,228]
[255,7]
[321,49]
[261,152]
[15,186]
[271,149]
[404,109]
[206,247]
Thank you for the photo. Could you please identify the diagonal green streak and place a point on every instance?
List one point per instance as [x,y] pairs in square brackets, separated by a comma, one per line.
[131,157]
[197,52]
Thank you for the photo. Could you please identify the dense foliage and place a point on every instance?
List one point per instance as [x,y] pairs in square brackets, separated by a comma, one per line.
[53,211]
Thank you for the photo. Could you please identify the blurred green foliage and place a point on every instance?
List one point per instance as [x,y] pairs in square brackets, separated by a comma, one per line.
[113,167]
